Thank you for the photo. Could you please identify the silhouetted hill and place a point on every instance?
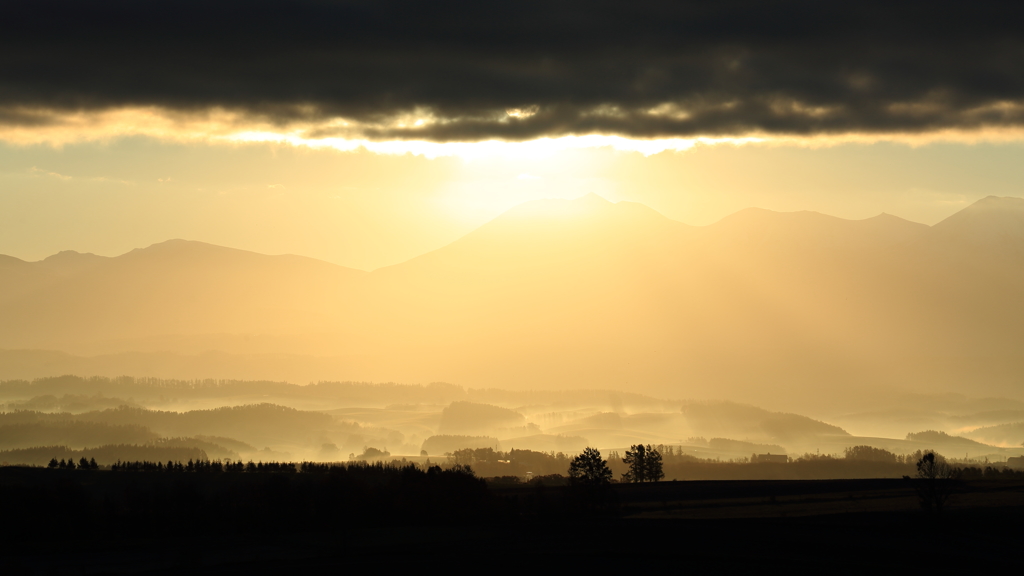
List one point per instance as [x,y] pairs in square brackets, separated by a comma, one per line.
[1010,434]
[993,223]
[104,455]
[727,418]
[29,432]
[756,228]
[259,424]
[944,442]
[70,262]
[170,290]
[470,417]
[23,278]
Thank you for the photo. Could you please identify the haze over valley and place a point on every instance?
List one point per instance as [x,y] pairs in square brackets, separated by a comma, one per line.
[561,294]
[560,324]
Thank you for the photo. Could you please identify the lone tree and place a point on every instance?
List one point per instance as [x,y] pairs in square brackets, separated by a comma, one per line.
[644,464]
[935,482]
[590,485]
[589,469]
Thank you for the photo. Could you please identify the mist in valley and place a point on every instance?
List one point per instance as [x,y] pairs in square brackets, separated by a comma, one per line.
[563,323]
[128,419]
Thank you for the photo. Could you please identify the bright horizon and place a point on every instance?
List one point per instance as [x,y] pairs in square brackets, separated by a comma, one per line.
[366,210]
[541,208]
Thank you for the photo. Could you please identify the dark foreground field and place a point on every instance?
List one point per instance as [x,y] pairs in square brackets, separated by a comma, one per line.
[97,522]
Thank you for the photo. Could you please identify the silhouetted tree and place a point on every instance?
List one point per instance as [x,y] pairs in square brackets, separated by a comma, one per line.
[52,464]
[652,467]
[590,491]
[644,464]
[589,469]
[935,482]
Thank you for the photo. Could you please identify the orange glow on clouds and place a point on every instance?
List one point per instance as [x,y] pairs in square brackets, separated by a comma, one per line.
[56,128]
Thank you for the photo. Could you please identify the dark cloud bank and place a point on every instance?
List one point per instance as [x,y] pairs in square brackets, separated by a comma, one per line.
[720,68]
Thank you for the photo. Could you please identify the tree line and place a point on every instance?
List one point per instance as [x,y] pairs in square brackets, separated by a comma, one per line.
[155,499]
[83,464]
[205,466]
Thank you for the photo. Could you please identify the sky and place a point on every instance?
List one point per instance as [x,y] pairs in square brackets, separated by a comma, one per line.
[365,133]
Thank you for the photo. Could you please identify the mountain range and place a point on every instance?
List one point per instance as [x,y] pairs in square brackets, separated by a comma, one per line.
[562,294]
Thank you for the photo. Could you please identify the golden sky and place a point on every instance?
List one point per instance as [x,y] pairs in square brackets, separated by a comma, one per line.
[367,133]
[364,209]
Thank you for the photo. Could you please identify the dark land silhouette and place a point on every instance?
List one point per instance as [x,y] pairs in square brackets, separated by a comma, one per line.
[256,517]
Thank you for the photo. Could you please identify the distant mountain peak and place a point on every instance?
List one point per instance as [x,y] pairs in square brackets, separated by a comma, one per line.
[762,216]
[1003,202]
[991,220]
[1007,205]
[178,249]
[886,219]
[173,242]
[69,255]
[179,245]
[69,261]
